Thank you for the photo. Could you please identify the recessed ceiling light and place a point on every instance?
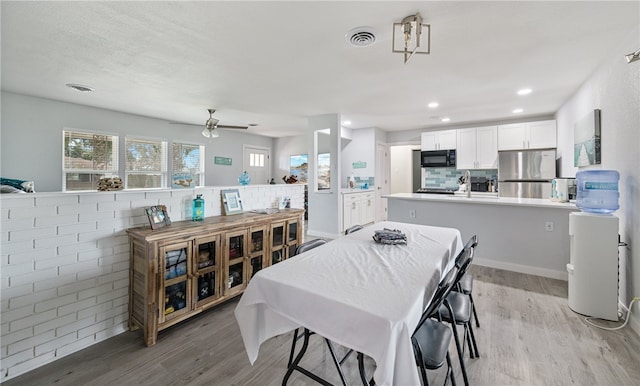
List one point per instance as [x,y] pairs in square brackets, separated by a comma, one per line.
[524,91]
[346,123]
[433,105]
[516,111]
[79,87]
[445,119]
[253,124]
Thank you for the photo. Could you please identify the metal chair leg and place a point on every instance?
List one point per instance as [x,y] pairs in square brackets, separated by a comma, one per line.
[460,351]
[475,314]
[473,340]
[293,347]
[450,371]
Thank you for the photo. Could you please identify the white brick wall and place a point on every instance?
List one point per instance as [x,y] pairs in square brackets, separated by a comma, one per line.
[65,264]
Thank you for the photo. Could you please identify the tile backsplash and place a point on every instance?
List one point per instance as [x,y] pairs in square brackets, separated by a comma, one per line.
[360,181]
[448,177]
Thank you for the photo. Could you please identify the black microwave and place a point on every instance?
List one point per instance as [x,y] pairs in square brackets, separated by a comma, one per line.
[438,158]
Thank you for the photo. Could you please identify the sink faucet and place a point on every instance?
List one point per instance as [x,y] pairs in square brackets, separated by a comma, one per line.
[467,182]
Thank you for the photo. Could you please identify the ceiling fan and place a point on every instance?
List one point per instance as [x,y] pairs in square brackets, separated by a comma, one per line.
[211,126]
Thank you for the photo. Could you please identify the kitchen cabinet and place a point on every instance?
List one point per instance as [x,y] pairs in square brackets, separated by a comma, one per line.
[477,148]
[527,135]
[439,140]
[180,270]
[358,208]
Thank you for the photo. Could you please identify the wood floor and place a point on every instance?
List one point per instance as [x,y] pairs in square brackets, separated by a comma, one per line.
[528,336]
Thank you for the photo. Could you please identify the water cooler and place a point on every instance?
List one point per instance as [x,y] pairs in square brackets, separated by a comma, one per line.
[593,268]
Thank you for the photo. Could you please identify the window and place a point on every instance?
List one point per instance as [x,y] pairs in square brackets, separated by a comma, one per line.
[145,163]
[188,165]
[256,160]
[87,158]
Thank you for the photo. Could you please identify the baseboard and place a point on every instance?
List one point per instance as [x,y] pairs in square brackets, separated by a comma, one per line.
[544,272]
[324,235]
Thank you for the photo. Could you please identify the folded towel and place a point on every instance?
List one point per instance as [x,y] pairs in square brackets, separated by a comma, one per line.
[390,236]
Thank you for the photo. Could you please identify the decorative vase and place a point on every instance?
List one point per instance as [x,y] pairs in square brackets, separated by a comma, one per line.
[244,178]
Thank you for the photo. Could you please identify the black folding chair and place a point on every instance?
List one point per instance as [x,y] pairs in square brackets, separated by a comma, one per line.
[431,338]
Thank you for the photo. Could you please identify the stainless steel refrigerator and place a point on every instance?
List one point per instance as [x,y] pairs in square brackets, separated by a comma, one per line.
[526,173]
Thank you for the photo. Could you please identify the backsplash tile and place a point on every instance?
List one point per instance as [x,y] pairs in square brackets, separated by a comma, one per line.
[447,178]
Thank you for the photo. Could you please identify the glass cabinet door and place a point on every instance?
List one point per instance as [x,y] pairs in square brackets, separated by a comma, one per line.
[277,234]
[292,231]
[236,258]
[207,269]
[257,238]
[175,299]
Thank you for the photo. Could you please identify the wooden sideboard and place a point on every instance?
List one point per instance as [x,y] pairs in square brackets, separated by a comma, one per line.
[183,269]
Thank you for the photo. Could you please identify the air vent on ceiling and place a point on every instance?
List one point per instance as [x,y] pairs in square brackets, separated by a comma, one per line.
[361,37]
[79,87]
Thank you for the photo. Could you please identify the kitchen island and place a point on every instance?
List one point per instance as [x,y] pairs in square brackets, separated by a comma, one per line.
[516,234]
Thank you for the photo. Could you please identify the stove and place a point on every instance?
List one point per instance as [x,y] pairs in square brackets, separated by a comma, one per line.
[435,191]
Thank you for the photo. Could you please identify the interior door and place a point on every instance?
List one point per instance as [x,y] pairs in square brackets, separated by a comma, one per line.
[257,164]
[382,180]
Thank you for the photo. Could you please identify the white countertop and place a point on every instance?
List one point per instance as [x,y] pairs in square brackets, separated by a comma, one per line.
[488,200]
[347,190]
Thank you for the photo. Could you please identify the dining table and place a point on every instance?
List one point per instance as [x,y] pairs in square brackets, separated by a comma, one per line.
[354,291]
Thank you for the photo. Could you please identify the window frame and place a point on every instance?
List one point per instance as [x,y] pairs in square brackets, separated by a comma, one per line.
[163,172]
[201,161]
[115,154]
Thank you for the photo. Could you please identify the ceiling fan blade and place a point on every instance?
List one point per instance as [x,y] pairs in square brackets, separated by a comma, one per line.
[231,127]
[186,124]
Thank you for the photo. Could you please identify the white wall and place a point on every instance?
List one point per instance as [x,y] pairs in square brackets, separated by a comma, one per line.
[614,89]
[31,146]
[400,158]
[284,148]
[361,147]
[65,264]
[324,209]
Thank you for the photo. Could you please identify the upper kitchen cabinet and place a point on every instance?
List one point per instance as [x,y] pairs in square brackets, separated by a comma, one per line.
[477,148]
[527,135]
[439,140]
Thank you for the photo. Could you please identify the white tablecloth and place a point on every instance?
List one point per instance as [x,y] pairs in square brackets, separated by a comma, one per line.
[355,292]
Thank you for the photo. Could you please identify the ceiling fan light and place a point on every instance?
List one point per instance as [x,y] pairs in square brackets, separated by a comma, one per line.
[210,133]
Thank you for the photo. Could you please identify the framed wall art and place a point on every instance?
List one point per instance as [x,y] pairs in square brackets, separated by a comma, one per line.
[231,200]
[586,140]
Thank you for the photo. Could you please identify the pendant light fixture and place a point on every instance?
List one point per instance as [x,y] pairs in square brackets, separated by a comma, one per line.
[407,37]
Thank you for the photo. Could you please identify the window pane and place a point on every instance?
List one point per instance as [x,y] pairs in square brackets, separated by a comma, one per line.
[83,181]
[90,151]
[87,158]
[188,166]
[145,163]
[142,155]
[140,181]
[261,163]
[252,159]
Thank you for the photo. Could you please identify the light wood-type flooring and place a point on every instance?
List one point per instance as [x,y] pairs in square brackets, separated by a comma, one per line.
[528,336]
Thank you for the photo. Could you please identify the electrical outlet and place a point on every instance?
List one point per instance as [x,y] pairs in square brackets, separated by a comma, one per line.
[412,213]
[548,226]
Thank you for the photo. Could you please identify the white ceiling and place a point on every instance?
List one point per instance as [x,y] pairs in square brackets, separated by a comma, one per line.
[276,63]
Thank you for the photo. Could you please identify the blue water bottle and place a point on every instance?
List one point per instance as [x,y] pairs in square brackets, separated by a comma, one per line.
[598,191]
[198,208]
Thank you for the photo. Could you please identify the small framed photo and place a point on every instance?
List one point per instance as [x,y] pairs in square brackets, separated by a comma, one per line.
[285,202]
[158,216]
[232,202]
